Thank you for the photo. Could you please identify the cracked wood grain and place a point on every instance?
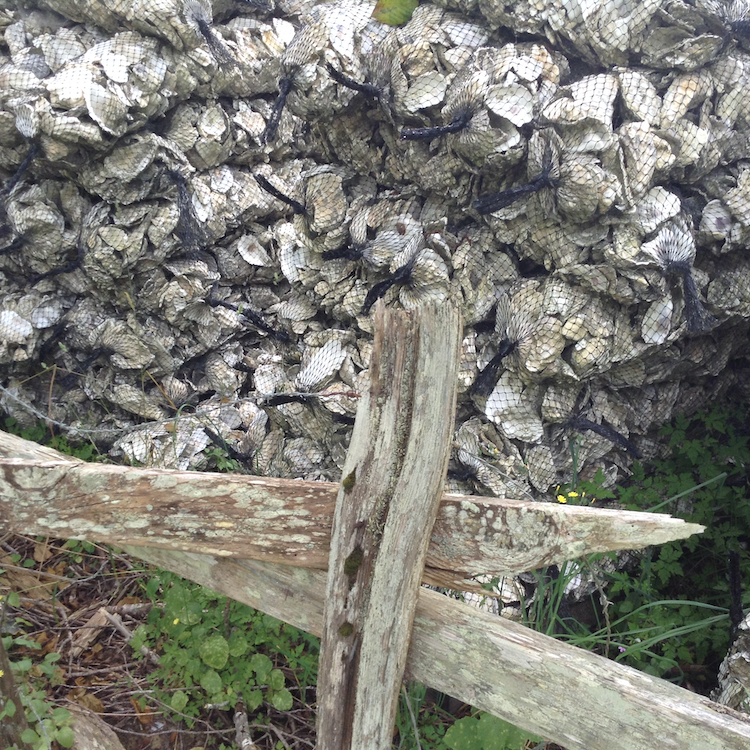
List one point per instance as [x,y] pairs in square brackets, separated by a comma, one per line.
[45,492]
[398,457]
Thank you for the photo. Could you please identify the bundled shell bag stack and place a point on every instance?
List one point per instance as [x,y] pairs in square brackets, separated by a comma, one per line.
[201,205]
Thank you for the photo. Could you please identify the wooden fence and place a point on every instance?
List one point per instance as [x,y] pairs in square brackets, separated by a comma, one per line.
[346,562]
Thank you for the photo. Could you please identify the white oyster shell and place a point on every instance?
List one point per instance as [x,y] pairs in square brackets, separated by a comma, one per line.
[321,366]
[13,328]
[134,400]
[542,471]
[639,96]
[105,108]
[657,322]
[426,91]
[514,102]
[592,97]
[737,200]
[511,407]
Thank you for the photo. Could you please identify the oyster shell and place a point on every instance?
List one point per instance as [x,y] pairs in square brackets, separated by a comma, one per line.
[512,408]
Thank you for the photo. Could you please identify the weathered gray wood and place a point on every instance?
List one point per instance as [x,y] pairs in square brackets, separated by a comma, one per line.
[91,731]
[45,492]
[394,474]
[571,696]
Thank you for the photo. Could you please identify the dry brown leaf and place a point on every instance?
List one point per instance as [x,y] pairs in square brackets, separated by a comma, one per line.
[58,569]
[42,550]
[88,633]
[87,700]
[145,715]
[26,584]
[129,600]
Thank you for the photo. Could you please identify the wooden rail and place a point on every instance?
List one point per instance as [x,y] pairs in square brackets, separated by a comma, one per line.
[571,696]
[574,697]
[279,520]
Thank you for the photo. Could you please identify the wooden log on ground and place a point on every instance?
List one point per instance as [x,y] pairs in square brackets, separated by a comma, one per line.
[45,492]
[394,474]
[91,731]
[574,697]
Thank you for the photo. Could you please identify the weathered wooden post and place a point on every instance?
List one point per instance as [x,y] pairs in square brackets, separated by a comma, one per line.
[385,510]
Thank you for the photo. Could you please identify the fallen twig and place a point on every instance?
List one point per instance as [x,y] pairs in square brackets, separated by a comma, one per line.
[117,623]
[242,738]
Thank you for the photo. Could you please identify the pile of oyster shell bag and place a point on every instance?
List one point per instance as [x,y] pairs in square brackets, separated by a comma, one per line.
[202,205]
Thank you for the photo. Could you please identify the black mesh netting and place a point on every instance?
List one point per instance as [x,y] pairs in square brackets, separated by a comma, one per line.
[201,206]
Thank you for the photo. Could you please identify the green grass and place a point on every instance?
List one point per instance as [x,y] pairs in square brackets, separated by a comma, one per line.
[670,612]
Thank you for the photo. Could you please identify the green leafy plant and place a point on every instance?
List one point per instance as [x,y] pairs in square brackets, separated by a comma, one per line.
[47,722]
[653,621]
[78,548]
[40,433]
[216,651]
[703,480]
[422,725]
[487,732]
[221,459]
[212,651]
[419,722]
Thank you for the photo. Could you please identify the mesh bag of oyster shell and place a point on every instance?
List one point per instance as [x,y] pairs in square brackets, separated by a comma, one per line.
[200,206]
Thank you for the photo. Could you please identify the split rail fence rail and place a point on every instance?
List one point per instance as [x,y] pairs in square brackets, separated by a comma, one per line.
[347,561]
